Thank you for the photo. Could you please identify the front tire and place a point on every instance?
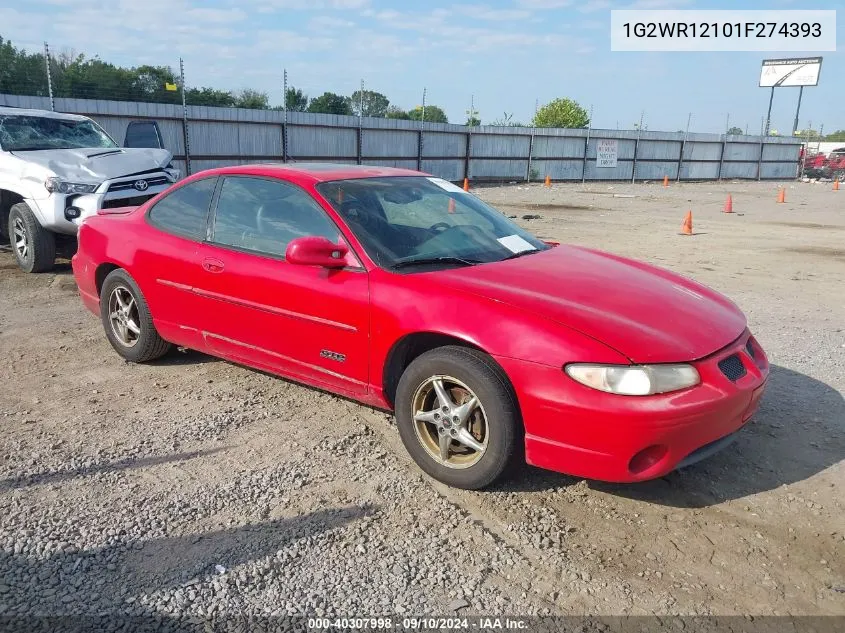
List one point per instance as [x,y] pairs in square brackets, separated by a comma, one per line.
[127,320]
[458,417]
[33,245]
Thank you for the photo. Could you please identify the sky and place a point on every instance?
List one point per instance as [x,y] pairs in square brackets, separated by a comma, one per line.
[505,55]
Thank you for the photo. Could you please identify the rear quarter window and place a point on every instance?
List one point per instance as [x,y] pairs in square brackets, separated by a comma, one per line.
[185,210]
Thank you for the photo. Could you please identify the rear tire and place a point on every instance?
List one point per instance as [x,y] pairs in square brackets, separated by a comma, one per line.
[33,245]
[127,320]
[494,424]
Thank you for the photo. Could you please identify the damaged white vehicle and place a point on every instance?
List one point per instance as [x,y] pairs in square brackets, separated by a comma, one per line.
[56,170]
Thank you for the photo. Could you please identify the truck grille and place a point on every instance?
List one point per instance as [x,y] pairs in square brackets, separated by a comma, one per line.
[135,201]
[154,181]
[732,367]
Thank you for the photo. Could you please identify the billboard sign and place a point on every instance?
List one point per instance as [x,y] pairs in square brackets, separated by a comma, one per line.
[607,151]
[784,73]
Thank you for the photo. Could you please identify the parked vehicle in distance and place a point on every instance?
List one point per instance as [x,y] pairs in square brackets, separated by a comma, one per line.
[56,170]
[404,292]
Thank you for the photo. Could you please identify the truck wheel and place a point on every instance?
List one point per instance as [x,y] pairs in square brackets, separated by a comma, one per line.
[33,245]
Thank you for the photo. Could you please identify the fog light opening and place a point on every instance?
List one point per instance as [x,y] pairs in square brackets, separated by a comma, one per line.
[71,213]
[647,458]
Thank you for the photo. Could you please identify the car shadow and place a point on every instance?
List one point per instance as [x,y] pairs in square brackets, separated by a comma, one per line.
[109,579]
[183,356]
[798,432]
[56,476]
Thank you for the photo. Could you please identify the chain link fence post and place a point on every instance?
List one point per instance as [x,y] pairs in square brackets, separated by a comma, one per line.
[49,76]
[185,133]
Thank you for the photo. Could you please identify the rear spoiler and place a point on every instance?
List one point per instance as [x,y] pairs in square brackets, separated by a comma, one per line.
[116,211]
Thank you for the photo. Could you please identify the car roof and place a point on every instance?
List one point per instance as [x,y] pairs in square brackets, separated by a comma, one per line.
[315,172]
[8,110]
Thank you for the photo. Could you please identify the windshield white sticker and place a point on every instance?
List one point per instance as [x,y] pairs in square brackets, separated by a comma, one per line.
[446,185]
[515,244]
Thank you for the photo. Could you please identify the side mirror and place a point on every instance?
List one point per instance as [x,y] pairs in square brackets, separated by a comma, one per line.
[316,251]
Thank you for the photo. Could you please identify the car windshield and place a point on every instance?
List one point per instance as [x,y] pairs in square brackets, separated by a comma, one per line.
[412,223]
[19,133]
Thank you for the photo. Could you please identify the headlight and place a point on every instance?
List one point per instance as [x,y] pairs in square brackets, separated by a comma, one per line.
[634,380]
[59,185]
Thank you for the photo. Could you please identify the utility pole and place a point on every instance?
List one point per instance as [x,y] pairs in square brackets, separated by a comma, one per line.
[472,112]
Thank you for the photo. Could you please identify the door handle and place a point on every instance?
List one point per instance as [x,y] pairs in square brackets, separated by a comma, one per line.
[212,265]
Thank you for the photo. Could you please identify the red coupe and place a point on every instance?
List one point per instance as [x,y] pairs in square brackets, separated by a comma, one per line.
[404,292]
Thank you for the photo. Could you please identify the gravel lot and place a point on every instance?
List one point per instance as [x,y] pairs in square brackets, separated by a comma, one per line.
[194,486]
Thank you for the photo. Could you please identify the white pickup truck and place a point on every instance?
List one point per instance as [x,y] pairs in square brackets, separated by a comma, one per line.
[56,170]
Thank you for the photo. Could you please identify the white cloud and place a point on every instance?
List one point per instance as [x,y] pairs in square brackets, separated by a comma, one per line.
[269,6]
[545,4]
[659,4]
[329,22]
[484,12]
[595,5]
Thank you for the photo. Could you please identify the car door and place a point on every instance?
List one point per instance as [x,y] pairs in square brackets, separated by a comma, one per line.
[167,261]
[302,321]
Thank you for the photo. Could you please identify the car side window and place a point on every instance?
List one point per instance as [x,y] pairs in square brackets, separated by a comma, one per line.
[185,210]
[264,216]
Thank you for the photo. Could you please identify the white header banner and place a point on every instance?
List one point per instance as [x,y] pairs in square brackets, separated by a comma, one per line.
[707,30]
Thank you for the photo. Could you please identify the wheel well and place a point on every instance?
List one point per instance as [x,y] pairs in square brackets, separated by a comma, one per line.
[7,200]
[101,273]
[409,348]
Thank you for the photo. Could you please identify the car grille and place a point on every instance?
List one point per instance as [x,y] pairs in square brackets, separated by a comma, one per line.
[749,348]
[732,367]
[130,184]
[135,201]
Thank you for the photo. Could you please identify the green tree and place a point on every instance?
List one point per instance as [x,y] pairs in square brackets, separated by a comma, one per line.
[561,112]
[210,97]
[252,99]
[21,73]
[736,130]
[375,103]
[433,114]
[296,100]
[473,121]
[150,83]
[330,103]
[394,112]
[837,137]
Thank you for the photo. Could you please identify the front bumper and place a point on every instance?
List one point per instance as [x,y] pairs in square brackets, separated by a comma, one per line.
[53,209]
[579,431]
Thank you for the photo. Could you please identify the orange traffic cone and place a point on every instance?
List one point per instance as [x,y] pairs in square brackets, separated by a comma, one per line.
[836,184]
[729,204]
[466,184]
[451,205]
[686,227]
[548,181]
[782,195]
[665,181]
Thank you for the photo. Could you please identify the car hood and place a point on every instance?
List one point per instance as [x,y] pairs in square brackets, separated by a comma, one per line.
[646,313]
[95,164]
